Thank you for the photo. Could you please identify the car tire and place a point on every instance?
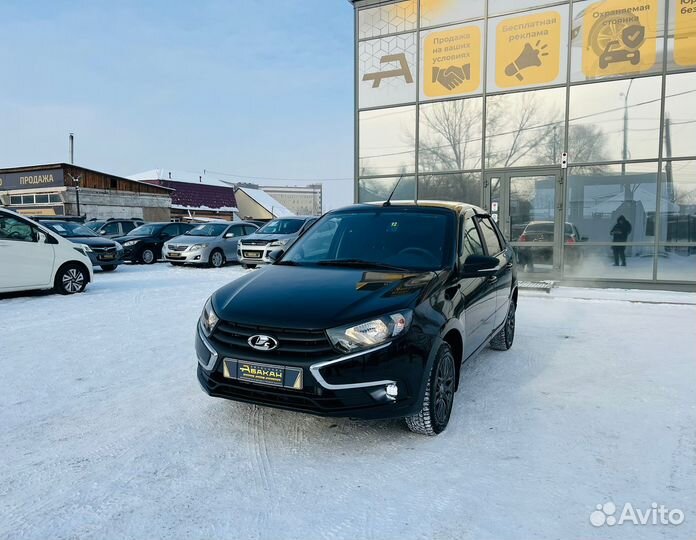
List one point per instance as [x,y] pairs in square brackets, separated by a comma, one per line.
[502,341]
[248,266]
[147,256]
[217,259]
[109,267]
[71,279]
[439,396]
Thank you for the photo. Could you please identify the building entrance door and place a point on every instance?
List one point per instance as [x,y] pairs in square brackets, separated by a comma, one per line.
[527,205]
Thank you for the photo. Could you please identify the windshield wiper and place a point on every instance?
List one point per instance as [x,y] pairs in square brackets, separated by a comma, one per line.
[360,263]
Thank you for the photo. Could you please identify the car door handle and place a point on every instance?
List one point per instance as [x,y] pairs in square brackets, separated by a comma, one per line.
[492,279]
[508,265]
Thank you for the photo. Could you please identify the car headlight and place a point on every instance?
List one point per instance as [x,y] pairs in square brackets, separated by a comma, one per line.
[278,243]
[83,248]
[209,319]
[130,243]
[369,334]
[197,247]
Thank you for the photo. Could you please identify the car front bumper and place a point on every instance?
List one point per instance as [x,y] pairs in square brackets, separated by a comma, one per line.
[352,385]
[200,256]
[254,254]
[106,258]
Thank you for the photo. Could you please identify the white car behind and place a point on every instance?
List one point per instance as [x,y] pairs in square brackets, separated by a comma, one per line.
[33,257]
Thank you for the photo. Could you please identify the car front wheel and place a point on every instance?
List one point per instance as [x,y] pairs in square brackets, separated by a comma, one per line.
[147,256]
[439,396]
[217,259]
[502,341]
[109,267]
[71,279]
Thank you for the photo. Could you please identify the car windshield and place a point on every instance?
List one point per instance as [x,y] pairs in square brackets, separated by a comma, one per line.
[145,230]
[94,225]
[68,229]
[209,229]
[416,239]
[281,226]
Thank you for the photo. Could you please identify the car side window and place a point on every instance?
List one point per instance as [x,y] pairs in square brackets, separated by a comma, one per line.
[236,231]
[112,228]
[249,229]
[490,236]
[471,240]
[14,229]
[127,226]
[171,230]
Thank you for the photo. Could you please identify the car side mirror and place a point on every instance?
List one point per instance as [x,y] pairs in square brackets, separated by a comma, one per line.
[584,238]
[479,266]
[275,254]
[228,235]
[40,237]
[102,232]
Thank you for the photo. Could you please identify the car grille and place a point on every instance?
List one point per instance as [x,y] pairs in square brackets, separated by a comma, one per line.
[104,249]
[176,248]
[293,345]
[255,242]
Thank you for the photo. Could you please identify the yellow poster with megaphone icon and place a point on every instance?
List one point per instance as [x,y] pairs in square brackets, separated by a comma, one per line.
[528,50]
[619,37]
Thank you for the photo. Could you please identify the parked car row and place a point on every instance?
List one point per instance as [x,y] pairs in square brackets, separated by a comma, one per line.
[77,247]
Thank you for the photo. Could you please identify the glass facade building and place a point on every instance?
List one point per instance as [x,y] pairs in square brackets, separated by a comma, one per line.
[573,123]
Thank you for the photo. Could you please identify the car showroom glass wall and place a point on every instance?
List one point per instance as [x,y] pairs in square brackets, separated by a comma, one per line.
[482,102]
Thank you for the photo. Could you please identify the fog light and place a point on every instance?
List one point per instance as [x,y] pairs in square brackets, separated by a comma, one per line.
[392,391]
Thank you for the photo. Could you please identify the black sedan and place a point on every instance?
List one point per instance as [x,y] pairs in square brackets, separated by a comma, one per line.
[103,252]
[144,244]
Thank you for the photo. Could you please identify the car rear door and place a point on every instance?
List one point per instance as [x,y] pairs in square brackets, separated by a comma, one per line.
[26,262]
[477,296]
[502,281]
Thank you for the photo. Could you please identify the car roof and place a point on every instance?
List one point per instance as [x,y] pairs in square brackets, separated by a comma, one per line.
[459,207]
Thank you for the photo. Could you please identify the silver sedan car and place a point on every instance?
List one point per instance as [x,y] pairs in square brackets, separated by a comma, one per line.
[212,244]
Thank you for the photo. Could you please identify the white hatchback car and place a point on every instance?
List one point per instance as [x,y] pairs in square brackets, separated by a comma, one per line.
[33,257]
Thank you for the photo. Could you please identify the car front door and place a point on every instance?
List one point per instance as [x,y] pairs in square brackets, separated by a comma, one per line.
[27,260]
[230,240]
[502,280]
[477,295]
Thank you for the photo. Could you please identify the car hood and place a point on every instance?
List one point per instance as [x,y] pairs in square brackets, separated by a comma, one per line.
[269,237]
[312,298]
[92,241]
[122,239]
[190,240]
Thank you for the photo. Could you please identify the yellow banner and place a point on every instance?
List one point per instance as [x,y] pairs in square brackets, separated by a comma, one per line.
[685,33]
[528,50]
[619,37]
[452,62]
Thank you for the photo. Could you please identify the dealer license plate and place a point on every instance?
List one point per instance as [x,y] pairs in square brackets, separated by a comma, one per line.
[252,254]
[271,375]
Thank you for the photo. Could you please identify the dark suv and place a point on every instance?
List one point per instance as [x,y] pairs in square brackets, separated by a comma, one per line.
[114,227]
[370,314]
[144,244]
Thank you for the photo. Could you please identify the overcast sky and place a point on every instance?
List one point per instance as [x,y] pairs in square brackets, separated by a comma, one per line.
[250,87]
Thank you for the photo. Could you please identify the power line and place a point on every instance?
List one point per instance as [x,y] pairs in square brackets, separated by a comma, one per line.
[247,176]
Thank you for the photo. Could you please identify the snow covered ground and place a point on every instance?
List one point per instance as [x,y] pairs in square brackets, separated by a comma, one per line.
[106,434]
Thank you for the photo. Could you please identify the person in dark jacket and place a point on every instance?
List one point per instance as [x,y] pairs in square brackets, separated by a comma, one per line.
[619,233]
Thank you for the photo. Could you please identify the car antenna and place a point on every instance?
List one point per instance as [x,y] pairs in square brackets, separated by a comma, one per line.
[388,201]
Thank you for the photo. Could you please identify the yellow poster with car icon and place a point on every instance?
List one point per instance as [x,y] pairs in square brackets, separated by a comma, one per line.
[452,62]
[685,33]
[619,37]
[528,50]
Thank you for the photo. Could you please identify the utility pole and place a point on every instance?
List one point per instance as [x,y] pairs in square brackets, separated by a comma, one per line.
[71,148]
[77,190]
[628,195]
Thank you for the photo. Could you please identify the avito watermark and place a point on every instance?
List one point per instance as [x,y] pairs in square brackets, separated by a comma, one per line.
[657,514]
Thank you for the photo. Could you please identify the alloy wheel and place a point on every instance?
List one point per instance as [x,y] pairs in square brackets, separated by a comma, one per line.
[148,256]
[216,259]
[444,389]
[73,280]
[510,325]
